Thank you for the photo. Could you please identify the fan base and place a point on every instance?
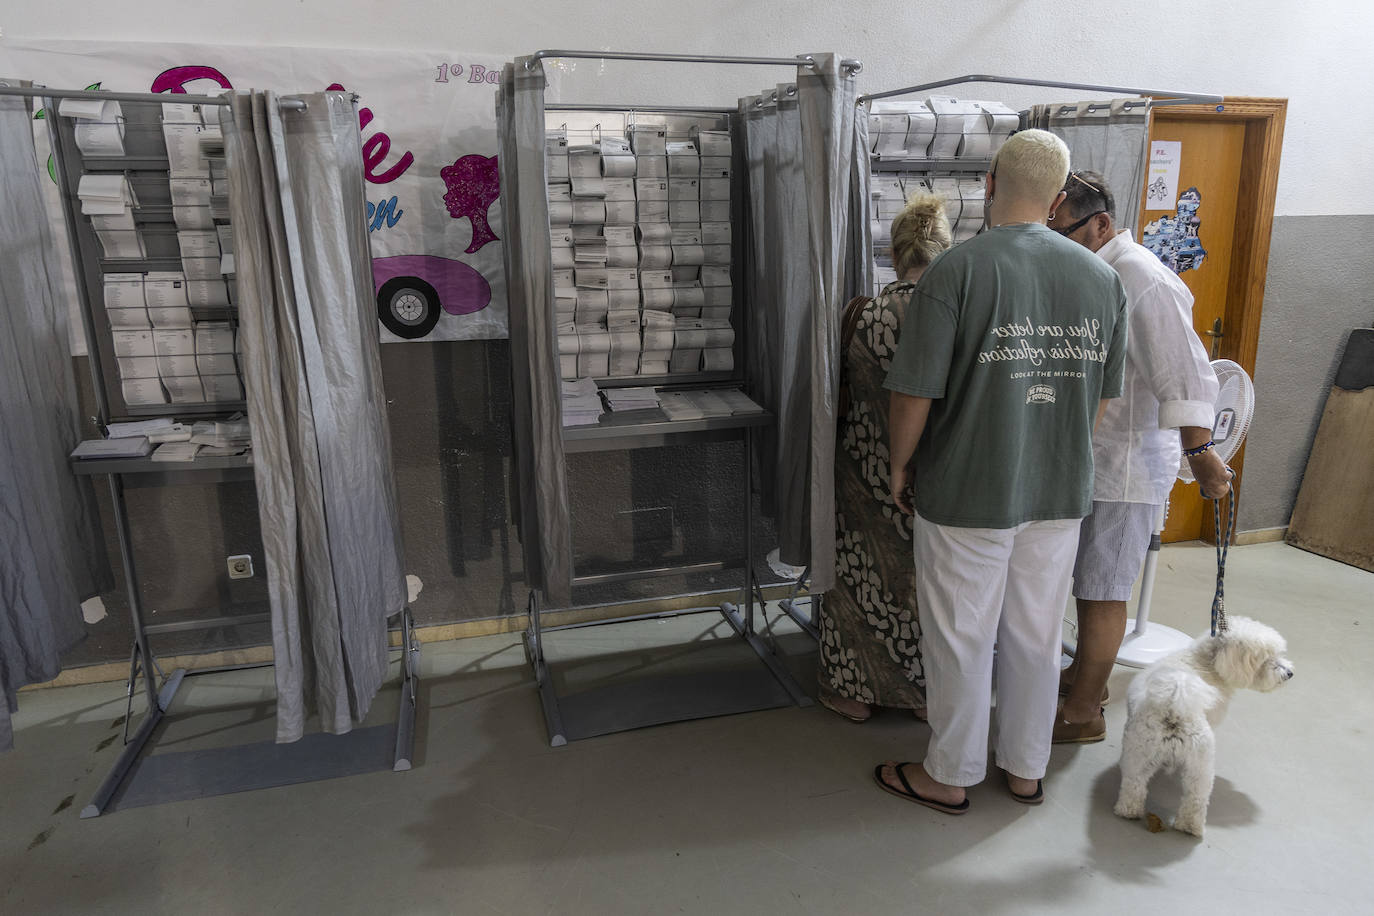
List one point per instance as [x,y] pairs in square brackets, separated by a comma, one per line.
[1139,650]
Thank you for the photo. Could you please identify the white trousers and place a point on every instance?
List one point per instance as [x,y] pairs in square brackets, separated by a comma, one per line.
[980,587]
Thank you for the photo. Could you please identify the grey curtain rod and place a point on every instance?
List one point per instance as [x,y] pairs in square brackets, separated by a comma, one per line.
[1176,98]
[165,98]
[643,109]
[848,63]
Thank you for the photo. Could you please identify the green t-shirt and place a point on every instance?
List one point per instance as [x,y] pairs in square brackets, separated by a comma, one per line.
[1016,334]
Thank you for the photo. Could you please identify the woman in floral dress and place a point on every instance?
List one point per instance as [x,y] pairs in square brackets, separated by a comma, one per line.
[869,628]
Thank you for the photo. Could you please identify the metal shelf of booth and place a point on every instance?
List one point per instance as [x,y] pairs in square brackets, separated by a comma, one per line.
[145,472]
[612,436]
[978,166]
[658,700]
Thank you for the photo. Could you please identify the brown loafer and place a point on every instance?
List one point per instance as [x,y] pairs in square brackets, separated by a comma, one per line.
[1089,732]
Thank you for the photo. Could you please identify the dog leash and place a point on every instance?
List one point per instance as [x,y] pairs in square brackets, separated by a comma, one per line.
[1223,546]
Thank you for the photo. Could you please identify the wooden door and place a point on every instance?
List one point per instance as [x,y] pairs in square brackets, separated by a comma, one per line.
[1229,155]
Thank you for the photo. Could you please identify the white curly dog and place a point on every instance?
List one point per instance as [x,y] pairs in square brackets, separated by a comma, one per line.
[1173,705]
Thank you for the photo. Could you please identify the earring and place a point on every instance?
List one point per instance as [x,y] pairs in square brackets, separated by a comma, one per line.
[1051,219]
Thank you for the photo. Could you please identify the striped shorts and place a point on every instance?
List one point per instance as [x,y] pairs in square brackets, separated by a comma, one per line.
[1111,549]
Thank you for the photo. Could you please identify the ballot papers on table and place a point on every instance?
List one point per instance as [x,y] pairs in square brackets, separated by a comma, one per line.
[620,400]
[125,447]
[99,125]
[581,403]
[715,402]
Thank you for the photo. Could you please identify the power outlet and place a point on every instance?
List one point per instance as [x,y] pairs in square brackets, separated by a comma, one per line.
[241,567]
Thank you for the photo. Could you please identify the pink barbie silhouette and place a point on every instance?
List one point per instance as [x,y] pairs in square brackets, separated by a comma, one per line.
[473,185]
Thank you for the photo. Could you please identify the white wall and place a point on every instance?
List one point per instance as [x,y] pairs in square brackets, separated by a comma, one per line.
[1315,53]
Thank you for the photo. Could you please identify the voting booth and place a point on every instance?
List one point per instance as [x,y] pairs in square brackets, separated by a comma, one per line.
[699,258]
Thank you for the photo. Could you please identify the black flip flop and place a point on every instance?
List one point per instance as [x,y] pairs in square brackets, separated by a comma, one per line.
[1034,798]
[911,794]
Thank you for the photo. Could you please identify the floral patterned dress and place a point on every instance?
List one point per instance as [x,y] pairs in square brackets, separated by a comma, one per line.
[869,627]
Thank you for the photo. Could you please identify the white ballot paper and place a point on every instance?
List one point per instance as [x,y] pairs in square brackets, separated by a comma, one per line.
[133,343]
[198,243]
[651,211]
[198,217]
[651,188]
[617,159]
[184,389]
[648,139]
[224,387]
[956,119]
[190,192]
[684,210]
[620,212]
[137,366]
[96,139]
[164,289]
[127,319]
[623,332]
[121,244]
[185,157]
[567,351]
[655,256]
[593,352]
[123,291]
[213,293]
[651,166]
[619,189]
[141,392]
[89,109]
[585,211]
[173,366]
[176,316]
[174,343]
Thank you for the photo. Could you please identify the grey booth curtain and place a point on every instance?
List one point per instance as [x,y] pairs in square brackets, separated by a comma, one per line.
[1110,137]
[52,555]
[543,515]
[860,278]
[312,373]
[802,172]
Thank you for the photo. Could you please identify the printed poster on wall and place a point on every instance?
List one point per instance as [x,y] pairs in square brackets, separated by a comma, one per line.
[429,155]
[1161,184]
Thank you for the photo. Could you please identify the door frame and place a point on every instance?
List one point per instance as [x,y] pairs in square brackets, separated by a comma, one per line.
[1254,226]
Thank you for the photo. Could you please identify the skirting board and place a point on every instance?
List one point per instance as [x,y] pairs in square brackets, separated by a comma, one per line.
[491,626]
[1260,536]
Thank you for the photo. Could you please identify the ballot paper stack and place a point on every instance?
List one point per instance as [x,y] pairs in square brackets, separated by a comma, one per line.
[221,438]
[109,201]
[172,359]
[640,237]
[702,344]
[623,400]
[696,405]
[99,126]
[581,403]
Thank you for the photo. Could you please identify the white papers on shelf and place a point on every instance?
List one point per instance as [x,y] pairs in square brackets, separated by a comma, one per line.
[96,138]
[89,109]
[142,392]
[170,366]
[201,268]
[711,142]
[648,140]
[165,289]
[623,332]
[176,451]
[657,342]
[134,428]
[137,366]
[617,159]
[127,447]
[194,217]
[105,194]
[179,342]
[123,291]
[186,148]
[224,387]
[176,316]
[133,343]
[999,122]
[210,293]
[621,399]
[958,129]
[580,402]
[184,389]
[121,244]
[177,432]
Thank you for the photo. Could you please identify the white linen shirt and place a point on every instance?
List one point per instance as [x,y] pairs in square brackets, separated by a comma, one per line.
[1169,382]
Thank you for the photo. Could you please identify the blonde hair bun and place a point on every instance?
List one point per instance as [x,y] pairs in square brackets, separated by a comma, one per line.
[920,232]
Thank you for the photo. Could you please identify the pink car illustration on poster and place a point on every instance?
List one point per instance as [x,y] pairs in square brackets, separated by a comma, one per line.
[414,290]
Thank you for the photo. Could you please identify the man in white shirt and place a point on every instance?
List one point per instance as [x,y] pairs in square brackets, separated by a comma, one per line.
[1166,407]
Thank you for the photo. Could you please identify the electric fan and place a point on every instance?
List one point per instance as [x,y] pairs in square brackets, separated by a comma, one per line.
[1235,407]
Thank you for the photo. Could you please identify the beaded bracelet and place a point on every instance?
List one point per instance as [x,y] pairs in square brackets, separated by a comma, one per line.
[1194,452]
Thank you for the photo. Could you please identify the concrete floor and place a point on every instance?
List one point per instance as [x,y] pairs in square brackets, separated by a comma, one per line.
[758,813]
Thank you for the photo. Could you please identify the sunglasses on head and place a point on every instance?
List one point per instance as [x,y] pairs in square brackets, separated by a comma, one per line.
[1074,176]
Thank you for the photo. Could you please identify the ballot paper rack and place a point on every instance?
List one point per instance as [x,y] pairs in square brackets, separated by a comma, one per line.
[227,769]
[153,251]
[945,144]
[683,268]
